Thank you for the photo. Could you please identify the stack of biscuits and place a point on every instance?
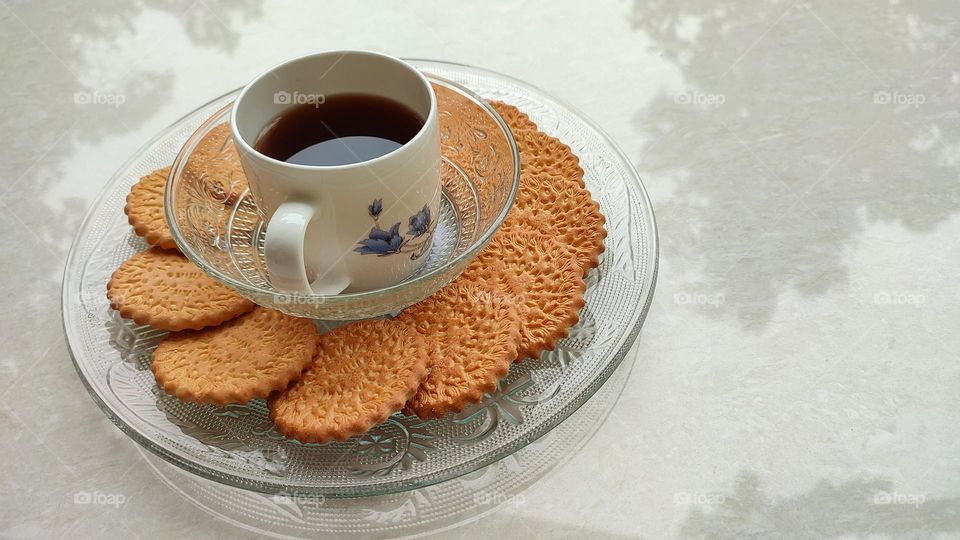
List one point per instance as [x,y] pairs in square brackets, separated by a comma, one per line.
[514,301]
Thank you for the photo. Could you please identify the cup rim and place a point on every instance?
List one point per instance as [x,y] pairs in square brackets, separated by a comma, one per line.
[248,148]
[247,288]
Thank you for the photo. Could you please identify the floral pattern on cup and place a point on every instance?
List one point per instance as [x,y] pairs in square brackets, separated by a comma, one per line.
[383,242]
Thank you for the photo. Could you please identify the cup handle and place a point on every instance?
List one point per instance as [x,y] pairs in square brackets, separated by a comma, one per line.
[283,248]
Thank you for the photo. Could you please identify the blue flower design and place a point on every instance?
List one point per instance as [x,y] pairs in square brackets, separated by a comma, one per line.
[419,222]
[381,242]
[375,208]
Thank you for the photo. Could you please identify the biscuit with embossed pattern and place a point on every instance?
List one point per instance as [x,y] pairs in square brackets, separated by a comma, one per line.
[543,275]
[144,209]
[516,119]
[165,290]
[562,210]
[542,153]
[478,332]
[361,374]
[245,358]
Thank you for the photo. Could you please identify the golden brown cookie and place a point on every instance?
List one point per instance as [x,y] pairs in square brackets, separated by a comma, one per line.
[478,331]
[144,209]
[165,290]
[541,153]
[245,358]
[215,163]
[562,210]
[362,373]
[543,275]
[516,119]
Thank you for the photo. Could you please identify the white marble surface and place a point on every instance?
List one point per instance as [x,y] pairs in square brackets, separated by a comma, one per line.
[797,375]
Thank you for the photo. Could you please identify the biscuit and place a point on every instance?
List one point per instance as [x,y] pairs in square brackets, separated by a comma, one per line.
[543,275]
[541,153]
[215,164]
[144,209]
[478,332]
[361,374]
[516,119]
[167,291]
[245,358]
[562,210]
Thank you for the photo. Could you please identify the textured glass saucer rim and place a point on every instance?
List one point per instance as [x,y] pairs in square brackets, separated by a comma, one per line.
[463,73]
[345,299]
[227,503]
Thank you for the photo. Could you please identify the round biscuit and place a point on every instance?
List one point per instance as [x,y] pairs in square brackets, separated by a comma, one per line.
[542,153]
[478,331]
[245,358]
[144,209]
[165,290]
[562,210]
[361,374]
[545,278]
[516,119]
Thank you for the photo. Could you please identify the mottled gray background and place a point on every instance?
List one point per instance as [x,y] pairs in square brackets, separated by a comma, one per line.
[797,375]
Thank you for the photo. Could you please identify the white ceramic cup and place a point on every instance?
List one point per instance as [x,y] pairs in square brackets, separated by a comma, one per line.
[354,227]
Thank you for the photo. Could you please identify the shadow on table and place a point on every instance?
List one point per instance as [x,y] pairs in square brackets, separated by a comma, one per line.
[70,83]
[856,508]
[797,126]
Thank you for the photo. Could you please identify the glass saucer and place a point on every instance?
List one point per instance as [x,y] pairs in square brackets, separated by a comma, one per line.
[408,514]
[479,174]
[237,445]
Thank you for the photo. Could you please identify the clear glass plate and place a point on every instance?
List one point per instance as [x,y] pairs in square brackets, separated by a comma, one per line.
[413,513]
[237,445]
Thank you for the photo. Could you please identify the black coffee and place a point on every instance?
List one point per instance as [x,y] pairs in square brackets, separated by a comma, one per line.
[343,129]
